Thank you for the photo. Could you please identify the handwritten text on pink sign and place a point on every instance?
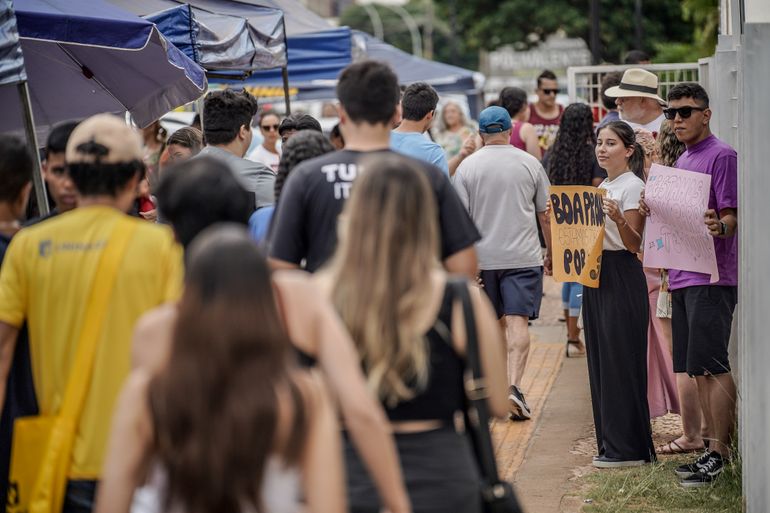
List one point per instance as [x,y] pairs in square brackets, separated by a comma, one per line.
[675,234]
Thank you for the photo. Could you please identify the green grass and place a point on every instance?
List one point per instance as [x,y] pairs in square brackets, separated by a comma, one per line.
[655,488]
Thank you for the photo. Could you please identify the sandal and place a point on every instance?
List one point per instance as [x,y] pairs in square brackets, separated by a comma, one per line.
[575,349]
[674,448]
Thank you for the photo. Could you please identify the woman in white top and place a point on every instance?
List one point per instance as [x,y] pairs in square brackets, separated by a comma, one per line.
[231,423]
[615,315]
[268,152]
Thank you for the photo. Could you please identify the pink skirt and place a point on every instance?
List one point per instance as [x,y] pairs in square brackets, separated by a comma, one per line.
[662,394]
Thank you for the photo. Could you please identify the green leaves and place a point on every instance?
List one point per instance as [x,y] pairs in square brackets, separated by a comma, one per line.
[461,28]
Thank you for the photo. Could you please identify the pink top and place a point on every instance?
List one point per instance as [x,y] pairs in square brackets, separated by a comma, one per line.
[516,139]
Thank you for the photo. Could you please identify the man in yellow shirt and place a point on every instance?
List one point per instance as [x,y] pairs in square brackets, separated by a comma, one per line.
[47,278]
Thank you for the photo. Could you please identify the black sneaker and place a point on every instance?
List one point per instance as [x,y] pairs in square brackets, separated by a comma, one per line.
[707,473]
[685,471]
[519,407]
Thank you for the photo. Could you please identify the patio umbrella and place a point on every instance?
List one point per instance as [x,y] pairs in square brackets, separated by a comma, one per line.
[87,56]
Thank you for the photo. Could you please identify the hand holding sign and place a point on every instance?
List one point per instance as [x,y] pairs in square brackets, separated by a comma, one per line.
[577,233]
[713,223]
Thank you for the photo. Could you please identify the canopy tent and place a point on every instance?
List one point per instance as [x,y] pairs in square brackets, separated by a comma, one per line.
[445,78]
[410,68]
[317,50]
[216,38]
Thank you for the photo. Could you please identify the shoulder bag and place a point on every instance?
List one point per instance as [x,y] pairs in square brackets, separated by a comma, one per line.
[497,495]
[41,455]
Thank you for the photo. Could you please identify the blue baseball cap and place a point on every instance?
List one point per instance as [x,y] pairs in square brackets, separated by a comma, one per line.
[494,120]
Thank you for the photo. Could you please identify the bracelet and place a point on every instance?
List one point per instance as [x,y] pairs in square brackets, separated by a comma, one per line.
[624,222]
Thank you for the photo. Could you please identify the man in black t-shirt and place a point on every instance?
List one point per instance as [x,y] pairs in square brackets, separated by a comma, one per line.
[305,223]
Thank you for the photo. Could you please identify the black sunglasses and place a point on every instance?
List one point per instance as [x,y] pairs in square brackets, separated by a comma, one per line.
[684,112]
[267,128]
[550,91]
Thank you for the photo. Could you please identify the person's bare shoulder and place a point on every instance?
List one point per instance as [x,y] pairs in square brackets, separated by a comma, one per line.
[152,337]
[301,286]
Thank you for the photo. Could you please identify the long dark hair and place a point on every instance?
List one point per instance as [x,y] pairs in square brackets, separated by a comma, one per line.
[571,159]
[626,135]
[214,407]
[304,145]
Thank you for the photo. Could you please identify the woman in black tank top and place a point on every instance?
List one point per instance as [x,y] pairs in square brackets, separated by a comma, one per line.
[386,282]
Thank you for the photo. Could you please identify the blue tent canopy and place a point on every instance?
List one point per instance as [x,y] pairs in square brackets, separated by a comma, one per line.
[217,36]
[409,68]
[445,78]
[316,49]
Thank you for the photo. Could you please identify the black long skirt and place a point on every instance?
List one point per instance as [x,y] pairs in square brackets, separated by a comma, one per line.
[440,474]
[615,319]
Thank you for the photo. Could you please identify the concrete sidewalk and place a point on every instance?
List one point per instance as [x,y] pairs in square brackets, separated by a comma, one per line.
[539,455]
[543,481]
[547,456]
[512,439]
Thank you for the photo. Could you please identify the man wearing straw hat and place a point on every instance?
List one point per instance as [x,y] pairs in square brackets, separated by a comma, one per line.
[637,99]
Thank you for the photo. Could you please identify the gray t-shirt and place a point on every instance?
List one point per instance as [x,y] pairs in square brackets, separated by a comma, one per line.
[503,188]
[255,176]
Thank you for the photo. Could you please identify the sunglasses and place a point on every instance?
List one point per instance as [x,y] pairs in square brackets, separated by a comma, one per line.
[684,112]
[550,91]
[268,128]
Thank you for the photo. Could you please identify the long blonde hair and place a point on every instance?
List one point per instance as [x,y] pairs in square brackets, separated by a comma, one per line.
[382,267]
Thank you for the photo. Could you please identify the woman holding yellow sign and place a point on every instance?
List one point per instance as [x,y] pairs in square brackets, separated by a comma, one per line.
[615,314]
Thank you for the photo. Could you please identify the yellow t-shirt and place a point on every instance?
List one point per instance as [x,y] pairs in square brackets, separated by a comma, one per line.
[46,279]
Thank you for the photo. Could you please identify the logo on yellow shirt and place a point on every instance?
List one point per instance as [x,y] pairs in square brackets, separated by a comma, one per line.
[45,248]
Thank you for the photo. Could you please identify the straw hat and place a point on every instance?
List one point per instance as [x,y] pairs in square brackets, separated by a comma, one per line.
[636,82]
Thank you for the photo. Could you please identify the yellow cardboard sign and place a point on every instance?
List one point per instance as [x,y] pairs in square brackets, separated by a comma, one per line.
[577,233]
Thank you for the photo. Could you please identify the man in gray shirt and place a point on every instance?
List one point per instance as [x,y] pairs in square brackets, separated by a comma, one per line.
[227,119]
[505,189]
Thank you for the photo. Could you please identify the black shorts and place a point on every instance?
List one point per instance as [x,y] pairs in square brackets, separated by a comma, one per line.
[701,320]
[515,291]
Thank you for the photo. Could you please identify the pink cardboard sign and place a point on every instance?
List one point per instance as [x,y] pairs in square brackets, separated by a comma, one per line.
[675,235]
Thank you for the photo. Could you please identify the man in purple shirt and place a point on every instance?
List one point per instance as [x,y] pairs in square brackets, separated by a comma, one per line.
[702,311]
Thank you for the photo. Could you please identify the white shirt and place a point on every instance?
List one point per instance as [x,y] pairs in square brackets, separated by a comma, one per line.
[652,126]
[626,189]
[268,158]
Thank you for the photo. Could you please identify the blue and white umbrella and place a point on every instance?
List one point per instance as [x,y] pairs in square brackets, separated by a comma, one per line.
[86,56]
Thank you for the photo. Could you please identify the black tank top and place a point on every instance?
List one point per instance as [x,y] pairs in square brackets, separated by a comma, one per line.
[444,393]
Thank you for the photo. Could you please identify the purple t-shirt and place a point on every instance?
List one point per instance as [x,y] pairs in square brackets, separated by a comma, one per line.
[718,159]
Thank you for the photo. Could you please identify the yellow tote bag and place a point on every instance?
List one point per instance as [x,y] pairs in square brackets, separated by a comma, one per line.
[41,454]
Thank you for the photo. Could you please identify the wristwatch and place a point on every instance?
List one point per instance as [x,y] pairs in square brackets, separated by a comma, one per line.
[722,228]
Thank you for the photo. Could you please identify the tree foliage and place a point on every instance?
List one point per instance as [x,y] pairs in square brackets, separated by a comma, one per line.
[704,15]
[446,48]
[462,27]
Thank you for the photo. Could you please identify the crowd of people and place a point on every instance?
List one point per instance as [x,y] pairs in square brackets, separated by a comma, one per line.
[277,326]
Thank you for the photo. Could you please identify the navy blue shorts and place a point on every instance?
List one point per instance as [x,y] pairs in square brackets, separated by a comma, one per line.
[515,291]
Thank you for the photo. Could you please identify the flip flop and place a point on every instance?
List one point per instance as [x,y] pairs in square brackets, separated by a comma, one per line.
[674,448]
